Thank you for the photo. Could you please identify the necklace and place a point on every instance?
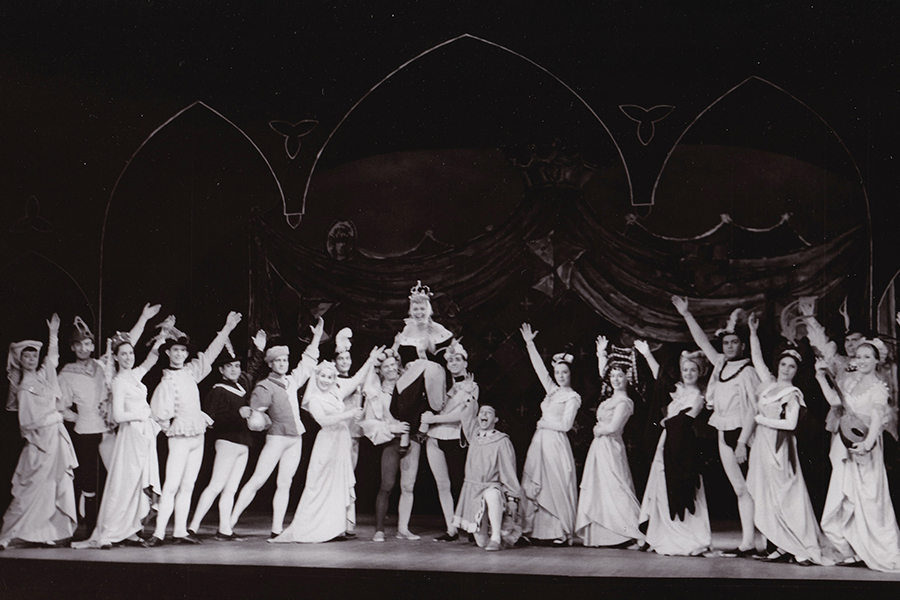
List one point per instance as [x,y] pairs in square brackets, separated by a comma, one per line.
[733,375]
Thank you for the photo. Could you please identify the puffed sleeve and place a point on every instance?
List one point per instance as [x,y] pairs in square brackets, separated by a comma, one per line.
[375,425]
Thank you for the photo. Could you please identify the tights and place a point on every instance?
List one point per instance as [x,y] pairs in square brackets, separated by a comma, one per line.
[283,451]
[182,468]
[228,468]
[408,466]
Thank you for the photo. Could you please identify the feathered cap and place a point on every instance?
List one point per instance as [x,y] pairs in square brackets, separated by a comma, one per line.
[731,326]
[342,341]
[456,349]
[81,332]
[420,292]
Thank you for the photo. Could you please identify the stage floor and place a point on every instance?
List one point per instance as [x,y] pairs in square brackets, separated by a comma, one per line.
[396,568]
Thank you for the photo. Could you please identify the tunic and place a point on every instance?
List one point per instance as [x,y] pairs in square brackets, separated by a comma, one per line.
[732,398]
[548,478]
[224,402]
[782,510]
[327,505]
[666,535]
[176,400]
[608,508]
[490,464]
[278,396]
[43,504]
[132,485]
[459,398]
[858,517]
[85,388]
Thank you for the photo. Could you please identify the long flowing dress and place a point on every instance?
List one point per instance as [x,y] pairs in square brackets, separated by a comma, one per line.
[328,504]
[667,535]
[132,485]
[782,510]
[608,509]
[858,517]
[43,504]
[548,479]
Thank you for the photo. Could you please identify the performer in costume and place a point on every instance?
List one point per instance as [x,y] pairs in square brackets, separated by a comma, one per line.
[176,407]
[343,361]
[132,487]
[548,479]
[859,517]
[608,508]
[43,504]
[276,396]
[448,432]
[384,431]
[488,504]
[674,513]
[731,394]
[227,404]
[418,345]
[327,508]
[85,399]
[783,512]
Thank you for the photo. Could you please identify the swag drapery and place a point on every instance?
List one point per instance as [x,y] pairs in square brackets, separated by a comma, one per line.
[627,282]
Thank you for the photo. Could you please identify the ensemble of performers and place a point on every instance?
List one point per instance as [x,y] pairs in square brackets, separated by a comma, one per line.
[419,392]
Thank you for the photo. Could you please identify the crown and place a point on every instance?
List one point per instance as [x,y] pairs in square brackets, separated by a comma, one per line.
[420,291]
[82,332]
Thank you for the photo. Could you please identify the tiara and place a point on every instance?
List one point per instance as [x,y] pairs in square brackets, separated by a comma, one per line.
[121,337]
[793,354]
[420,291]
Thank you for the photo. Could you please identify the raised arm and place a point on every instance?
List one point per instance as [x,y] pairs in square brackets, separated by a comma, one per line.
[352,384]
[53,346]
[256,359]
[602,345]
[310,357]
[831,395]
[137,331]
[151,359]
[536,361]
[644,348]
[756,355]
[700,338]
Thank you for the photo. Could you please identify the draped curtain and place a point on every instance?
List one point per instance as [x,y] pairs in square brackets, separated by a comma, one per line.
[627,282]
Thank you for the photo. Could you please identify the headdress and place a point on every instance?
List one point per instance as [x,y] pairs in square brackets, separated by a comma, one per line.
[562,358]
[879,347]
[792,351]
[276,352]
[343,341]
[118,339]
[420,292]
[14,370]
[455,348]
[81,332]
[226,357]
[621,358]
[731,326]
[326,365]
[698,358]
[388,353]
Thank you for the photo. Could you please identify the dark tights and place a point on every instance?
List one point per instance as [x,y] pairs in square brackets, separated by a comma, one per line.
[390,467]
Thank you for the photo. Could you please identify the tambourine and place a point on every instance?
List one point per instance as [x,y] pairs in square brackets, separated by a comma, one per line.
[853,430]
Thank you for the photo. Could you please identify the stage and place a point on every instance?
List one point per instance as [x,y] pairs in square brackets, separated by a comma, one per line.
[403,569]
